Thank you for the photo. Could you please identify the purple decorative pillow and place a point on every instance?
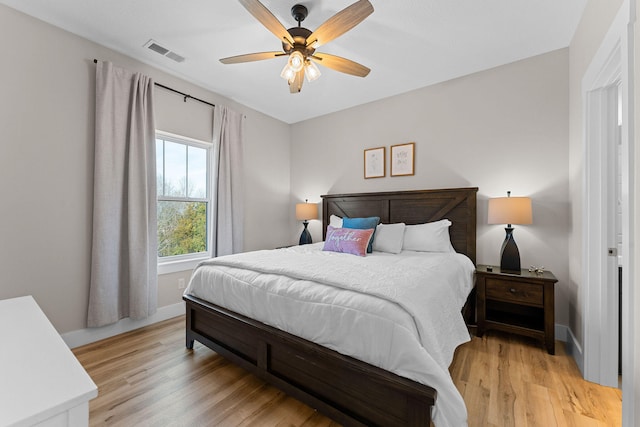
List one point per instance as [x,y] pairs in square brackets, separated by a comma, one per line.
[347,240]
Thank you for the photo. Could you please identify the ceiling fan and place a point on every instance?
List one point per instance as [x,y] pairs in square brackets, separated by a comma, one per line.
[300,44]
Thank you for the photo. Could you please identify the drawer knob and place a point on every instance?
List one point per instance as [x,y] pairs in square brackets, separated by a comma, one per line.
[512,290]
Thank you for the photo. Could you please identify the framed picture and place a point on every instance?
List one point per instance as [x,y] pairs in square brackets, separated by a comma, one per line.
[374,160]
[402,160]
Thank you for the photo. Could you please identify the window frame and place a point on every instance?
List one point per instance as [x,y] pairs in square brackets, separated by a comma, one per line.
[175,263]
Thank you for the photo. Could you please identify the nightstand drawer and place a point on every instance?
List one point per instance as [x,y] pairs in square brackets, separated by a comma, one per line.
[510,291]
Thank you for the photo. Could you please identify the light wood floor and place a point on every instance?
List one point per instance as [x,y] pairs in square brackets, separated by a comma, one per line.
[506,380]
[148,378]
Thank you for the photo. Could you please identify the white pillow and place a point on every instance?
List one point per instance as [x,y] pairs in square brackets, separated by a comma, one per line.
[389,238]
[335,221]
[429,237]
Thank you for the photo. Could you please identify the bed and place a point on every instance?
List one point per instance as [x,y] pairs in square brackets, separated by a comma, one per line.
[348,390]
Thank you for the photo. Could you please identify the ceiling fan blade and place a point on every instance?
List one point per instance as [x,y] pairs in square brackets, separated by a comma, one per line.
[340,23]
[296,85]
[341,64]
[249,57]
[266,18]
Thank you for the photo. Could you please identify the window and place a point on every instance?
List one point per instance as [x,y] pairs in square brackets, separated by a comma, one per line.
[182,173]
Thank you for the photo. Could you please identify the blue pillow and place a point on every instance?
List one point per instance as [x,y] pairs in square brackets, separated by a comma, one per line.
[363,224]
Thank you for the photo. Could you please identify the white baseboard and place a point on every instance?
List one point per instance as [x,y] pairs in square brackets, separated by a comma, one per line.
[561,332]
[89,335]
[573,347]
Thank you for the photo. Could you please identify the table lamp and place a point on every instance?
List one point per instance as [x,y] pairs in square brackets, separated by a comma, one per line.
[510,210]
[304,212]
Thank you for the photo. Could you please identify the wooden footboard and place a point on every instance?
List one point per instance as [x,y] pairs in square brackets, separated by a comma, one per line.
[347,390]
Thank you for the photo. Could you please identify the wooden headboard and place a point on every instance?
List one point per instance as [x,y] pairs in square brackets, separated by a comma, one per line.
[412,207]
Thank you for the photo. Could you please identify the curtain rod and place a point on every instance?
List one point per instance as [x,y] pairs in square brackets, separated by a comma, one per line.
[95,61]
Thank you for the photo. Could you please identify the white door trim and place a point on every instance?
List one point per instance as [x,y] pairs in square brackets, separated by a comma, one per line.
[600,297]
[611,65]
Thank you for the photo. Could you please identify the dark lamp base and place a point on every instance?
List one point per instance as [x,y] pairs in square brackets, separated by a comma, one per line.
[509,254]
[305,237]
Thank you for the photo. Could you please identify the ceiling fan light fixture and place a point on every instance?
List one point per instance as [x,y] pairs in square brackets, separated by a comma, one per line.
[300,43]
[288,73]
[296,61]
[311,70]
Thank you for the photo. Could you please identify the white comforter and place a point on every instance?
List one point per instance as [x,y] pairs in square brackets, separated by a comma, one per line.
[398,312]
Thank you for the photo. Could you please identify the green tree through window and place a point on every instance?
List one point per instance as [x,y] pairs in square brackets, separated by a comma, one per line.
[183,196]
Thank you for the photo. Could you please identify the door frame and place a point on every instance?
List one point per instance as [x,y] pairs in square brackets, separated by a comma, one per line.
[612,65]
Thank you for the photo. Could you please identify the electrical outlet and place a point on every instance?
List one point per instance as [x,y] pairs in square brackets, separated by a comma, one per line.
[181,283]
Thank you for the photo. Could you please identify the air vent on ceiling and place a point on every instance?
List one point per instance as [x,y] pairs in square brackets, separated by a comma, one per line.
[174,56]
[154,46]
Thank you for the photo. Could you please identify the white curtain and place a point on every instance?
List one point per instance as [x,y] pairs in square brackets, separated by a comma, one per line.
[124,249]
[228,218]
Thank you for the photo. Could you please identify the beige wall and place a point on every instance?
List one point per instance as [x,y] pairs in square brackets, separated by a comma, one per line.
[595,23]
[46,158]
[501,129]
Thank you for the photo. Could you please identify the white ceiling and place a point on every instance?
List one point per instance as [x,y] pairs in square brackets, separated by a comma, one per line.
[408,44]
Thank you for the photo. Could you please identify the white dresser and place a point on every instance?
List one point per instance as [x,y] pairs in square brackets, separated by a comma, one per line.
[41,381]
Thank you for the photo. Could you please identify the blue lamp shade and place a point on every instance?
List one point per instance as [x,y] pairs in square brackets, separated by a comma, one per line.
[305,212]
[510,210]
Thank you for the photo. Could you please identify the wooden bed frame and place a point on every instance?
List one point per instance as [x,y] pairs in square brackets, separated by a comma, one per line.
[345,389]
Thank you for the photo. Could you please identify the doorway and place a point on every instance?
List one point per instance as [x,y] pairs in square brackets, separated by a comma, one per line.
[607,212]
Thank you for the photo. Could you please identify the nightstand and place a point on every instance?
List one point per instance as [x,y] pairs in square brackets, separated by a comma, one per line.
[517,303]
